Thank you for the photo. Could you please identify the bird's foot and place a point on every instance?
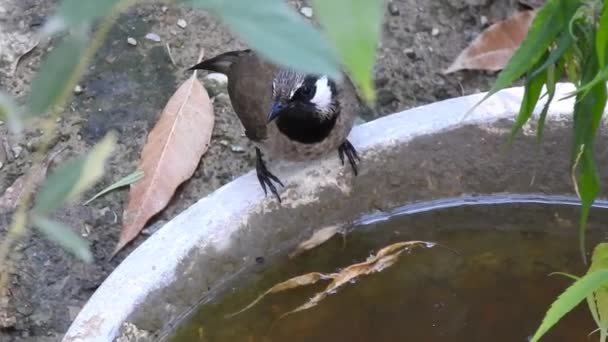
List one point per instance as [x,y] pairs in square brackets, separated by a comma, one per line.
[348,149]
[265,177]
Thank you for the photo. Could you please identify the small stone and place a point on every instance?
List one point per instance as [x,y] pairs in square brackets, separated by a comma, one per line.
[182,23]
[483,20]
[17,150]
[78,89]
[164,9]
[132,41]
[1,122]
[410,52]
[435,32]
[306,11]
[237,149]
[217,77]
[153,37]
[1,165]
[224,142]
[2,10]
[58,120]
[393,9]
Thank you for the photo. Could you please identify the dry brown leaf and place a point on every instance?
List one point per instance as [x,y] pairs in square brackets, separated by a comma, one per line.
[493,48]
[170,156]
[386,257]
[317,238]
[301,280]
[11,196]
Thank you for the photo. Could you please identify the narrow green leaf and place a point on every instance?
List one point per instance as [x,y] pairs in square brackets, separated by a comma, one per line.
[72,178]
[531,94]
[278,33]
[64,237]
[553,73]
[54,75]
[564,42]
[77,14]
[354,27]
[588,112]
[601,38]
[549,21]
[569,299]
[126,180]
[598,300]
[10,113]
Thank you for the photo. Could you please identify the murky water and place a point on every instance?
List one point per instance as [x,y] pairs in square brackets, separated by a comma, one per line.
[493,284]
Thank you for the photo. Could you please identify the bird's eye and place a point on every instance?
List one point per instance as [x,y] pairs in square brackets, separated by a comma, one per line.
[307,91]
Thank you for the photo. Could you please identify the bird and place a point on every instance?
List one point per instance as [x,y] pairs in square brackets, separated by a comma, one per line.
[287,114]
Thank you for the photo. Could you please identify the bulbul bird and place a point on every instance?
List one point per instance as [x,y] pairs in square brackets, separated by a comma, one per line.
[287,114]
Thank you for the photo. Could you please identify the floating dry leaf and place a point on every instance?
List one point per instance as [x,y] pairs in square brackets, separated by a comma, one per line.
[170,156]
[317,238]
[11,196]
[493,48]
[301,280]
[386,257]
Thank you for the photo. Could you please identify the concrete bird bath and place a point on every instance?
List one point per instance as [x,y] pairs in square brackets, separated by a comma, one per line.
[422,154]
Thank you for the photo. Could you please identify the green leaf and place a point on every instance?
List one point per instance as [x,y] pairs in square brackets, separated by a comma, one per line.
[550,20]
[277,33]
[77,14]
[531,94]
[564,42]
[598,300]
[588,112]
[601,38]
[354,27]
[126,180]
[72,178]
[10,113]
[553,73]
[569,299]
[64,237]
[55,75]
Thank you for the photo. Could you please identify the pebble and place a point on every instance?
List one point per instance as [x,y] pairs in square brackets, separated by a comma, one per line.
[435,32]
[1,165]
[153,37]
[78,89]
[17,151]
[2,10]
[217,77]
[306,11]
[164,9]
[483,20]
[132,41]
[393,9]
[182,23]
[237,149]
[1,122]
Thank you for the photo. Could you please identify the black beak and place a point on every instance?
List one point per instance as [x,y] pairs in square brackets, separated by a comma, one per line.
[275,111]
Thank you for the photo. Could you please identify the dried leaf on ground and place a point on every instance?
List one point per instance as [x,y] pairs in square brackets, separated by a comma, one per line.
[386,257]
[10,197]
[493,48]
[170,156]
[317,238]
[301,280]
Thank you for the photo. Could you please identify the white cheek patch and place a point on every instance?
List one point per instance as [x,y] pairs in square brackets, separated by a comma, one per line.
[323,94]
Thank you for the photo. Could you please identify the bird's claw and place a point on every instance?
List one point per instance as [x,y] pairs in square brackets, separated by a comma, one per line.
[265,177]
[351,153]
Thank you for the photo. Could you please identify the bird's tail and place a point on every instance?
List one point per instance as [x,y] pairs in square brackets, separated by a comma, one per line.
[220,63]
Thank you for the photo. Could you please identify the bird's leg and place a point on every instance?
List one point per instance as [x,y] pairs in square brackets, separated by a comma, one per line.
[265,177]
[348,149]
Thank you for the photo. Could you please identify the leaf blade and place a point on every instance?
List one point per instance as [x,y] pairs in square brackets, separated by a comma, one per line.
[124,181]
[571,297]
[64,237]
[354,27]
[270,26]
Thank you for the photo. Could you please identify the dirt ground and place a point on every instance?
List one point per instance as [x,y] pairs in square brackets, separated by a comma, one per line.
[125,89]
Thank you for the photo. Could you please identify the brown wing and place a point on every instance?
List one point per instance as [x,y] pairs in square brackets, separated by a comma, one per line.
[250,90]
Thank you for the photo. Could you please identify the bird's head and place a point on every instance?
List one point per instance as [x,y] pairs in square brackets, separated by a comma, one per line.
[300,97]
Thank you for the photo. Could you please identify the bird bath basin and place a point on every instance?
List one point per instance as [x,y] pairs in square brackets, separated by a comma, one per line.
[234,243]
